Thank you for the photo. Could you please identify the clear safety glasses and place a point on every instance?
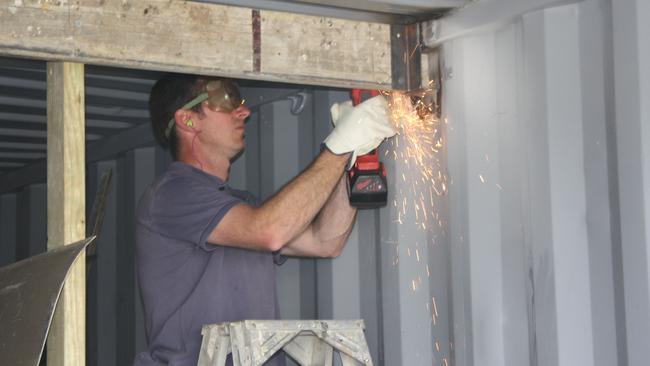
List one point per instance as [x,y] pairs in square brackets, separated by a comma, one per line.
[221,95]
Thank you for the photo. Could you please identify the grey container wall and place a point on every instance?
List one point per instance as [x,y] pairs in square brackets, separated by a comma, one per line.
[548,134]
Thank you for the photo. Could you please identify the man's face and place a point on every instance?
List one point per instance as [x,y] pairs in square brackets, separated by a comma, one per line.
[219,95]
[224,132]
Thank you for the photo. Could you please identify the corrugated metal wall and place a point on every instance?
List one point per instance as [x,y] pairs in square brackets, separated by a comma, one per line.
[548,163]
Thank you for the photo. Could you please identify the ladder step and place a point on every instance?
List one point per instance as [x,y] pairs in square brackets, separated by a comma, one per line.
[309,342]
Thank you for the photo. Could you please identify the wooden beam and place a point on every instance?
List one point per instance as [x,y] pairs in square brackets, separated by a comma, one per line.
[201,38]
[300,46]
[66,206]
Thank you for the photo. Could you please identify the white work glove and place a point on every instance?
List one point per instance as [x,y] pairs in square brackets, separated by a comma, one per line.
[359,129]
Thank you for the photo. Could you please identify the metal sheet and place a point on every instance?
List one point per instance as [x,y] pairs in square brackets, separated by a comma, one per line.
[325,9]
[29,291]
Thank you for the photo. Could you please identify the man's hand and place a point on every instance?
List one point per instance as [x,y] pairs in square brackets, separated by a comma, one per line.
[359,129]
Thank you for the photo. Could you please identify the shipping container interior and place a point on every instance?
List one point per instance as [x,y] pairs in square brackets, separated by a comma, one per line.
[518,218]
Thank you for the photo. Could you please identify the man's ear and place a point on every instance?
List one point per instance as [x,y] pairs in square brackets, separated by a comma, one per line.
[183,120]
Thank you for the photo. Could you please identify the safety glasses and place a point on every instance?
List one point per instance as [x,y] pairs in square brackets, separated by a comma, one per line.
[221,95]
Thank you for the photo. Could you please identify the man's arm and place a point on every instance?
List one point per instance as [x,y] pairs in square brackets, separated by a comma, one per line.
[290,212]
[285,215]
[329,232]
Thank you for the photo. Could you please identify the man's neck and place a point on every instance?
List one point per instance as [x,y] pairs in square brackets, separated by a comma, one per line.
[218,166]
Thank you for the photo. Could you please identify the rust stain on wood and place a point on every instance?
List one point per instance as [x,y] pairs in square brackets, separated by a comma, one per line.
[257,41]
[200,14]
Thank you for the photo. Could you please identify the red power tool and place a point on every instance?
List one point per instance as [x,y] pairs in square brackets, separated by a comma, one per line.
[367,187]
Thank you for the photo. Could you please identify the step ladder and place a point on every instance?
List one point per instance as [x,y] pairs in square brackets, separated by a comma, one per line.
[309,342]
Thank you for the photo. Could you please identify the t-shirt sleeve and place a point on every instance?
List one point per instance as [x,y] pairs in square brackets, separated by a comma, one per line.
[279,258]
[188,210]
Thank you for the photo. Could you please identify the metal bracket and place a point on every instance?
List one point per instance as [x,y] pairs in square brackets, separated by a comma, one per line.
[298,99]
[430,31]
[405,56]
[309,342]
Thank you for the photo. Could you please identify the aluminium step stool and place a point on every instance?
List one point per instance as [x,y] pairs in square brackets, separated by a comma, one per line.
[309,342]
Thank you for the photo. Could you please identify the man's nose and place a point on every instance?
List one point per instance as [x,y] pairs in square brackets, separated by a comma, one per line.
[242,112]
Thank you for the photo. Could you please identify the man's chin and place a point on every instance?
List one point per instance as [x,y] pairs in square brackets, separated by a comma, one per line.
[237,155]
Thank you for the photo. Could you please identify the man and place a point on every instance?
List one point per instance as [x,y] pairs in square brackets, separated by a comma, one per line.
[205,251]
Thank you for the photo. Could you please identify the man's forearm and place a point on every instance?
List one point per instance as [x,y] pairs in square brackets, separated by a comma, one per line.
[336,218]
[328,233]
[293,208]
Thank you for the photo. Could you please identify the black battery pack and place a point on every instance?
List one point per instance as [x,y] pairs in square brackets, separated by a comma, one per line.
[367,188]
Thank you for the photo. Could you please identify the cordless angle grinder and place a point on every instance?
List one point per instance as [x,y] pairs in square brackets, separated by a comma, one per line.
[367,187]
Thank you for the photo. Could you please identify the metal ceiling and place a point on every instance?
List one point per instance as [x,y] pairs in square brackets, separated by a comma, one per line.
[116,100]
[381,11]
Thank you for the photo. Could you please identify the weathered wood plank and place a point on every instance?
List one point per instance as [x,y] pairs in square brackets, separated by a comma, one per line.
[66,206]
[201,38]
[171,35]
[325,47]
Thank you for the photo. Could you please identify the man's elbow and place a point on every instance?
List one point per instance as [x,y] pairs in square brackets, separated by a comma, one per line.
[335,253]
[273,241]
[269,237]
[336,248]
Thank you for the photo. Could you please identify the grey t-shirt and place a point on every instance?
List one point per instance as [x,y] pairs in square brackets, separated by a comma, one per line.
[186,282]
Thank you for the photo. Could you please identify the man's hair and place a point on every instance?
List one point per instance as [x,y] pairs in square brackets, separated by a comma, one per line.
[168,95]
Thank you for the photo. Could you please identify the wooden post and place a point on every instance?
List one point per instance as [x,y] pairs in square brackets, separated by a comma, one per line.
[66,206]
